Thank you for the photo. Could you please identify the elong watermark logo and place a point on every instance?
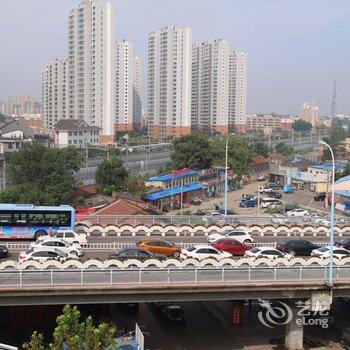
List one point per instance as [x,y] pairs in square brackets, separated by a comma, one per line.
[277,313]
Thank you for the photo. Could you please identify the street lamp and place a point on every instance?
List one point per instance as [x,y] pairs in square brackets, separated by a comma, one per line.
[331,234]
[226,182]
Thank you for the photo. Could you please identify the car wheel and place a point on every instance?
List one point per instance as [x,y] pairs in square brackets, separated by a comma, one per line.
[75,242]
[39,234]
[176,254]
[246,241]
[292,253]
[74,252]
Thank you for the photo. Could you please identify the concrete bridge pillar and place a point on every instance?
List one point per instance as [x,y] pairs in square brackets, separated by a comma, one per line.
[294,329]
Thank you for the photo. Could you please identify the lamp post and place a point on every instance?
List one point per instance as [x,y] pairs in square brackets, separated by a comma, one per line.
[226,182]
[331,234]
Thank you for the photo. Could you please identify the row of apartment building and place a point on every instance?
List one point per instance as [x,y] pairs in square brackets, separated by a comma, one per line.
[19,105]
[189,86]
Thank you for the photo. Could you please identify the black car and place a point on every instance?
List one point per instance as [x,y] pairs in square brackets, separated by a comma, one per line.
[273,194]
[135,253]
[174,313]
[289,207]
[4,253]
[321,196]
[297,246]
[345,243]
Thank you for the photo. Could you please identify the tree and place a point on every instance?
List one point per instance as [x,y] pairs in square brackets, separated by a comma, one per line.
[239,153]
[337,134]
[41,176]
[284,149]
[191,151]
[110,175]
[302,125]
[344,172]
[135,184]
[261,149]
[74,334]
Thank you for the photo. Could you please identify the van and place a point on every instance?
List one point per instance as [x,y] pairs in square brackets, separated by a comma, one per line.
[265,202]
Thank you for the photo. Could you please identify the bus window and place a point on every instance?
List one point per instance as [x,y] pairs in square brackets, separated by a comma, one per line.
[51,219]
[5,218]
[20,219]
[35,219]
[64,219]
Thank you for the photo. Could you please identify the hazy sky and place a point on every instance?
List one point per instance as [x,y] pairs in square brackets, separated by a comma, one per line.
[296,48]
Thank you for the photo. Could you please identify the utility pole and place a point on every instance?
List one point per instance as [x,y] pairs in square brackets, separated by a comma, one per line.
[334,100]
[299,138]
[86,156]
[292,137]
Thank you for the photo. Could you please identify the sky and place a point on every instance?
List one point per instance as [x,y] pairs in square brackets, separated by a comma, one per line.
[295,48]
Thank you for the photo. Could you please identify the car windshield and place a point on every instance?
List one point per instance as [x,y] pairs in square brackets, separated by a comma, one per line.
[255,250]
[191,249]
[176,312]
[324,249]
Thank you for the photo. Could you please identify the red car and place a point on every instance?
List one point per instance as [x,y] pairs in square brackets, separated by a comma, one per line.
[232,246]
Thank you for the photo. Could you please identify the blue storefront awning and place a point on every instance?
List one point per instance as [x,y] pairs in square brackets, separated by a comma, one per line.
[174,191]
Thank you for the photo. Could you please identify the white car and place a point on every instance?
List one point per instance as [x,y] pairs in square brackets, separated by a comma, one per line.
[43,254]
[265,252]
[59,243]
[261,177]
[324,252]
[203,252]
[269,202]
[69,236]
[240,235]
[322,221]
[279,219]
[298,212]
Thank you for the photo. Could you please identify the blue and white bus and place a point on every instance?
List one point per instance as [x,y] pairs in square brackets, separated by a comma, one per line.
[26,221]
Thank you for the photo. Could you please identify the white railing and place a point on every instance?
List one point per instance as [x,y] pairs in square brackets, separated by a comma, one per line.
[170,276]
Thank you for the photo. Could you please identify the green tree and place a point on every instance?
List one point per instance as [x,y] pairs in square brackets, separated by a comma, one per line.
[337,134]
[36,342]
[135,184]
[342,173]
[191,151]
[302,125]
[41,176]
[284,149]
[75,334]
[261,149]
[239,153]
[111,175]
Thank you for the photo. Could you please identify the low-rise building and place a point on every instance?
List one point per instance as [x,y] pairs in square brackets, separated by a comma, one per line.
[258,122]
[76,132]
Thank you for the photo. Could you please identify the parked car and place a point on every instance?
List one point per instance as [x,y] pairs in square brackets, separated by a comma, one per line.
[69,236]
[274,194]
[241,235]
[43,254]
[288,189]
[59,243]
[298,212]
[279,206]
[324,252]
[173,313]
[289,207]
[297,246]
[261,177]
[320,196]
[248,203]
[280,219]
[265,252]
[270,186]
[344,242]
[267,202]
[322,221]
[4,252]
[232,246]
[135,253]
[204,252]
[160,247]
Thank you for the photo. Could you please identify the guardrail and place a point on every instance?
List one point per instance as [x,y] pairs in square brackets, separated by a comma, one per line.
[112,246]
[170,276]
[194,220]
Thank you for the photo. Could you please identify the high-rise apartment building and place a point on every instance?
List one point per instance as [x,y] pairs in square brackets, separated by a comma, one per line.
[210,86]
[20,105]
[169,81]
[309,112]
[91,65]
[238,91]
[54,92]
[124,85]
[137,93]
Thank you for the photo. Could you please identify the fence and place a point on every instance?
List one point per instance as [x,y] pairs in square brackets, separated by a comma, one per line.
[170,276]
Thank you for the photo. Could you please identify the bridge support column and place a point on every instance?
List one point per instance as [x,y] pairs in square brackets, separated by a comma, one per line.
[294,330]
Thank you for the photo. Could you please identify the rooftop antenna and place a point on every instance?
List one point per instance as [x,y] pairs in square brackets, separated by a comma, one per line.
[334,100]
